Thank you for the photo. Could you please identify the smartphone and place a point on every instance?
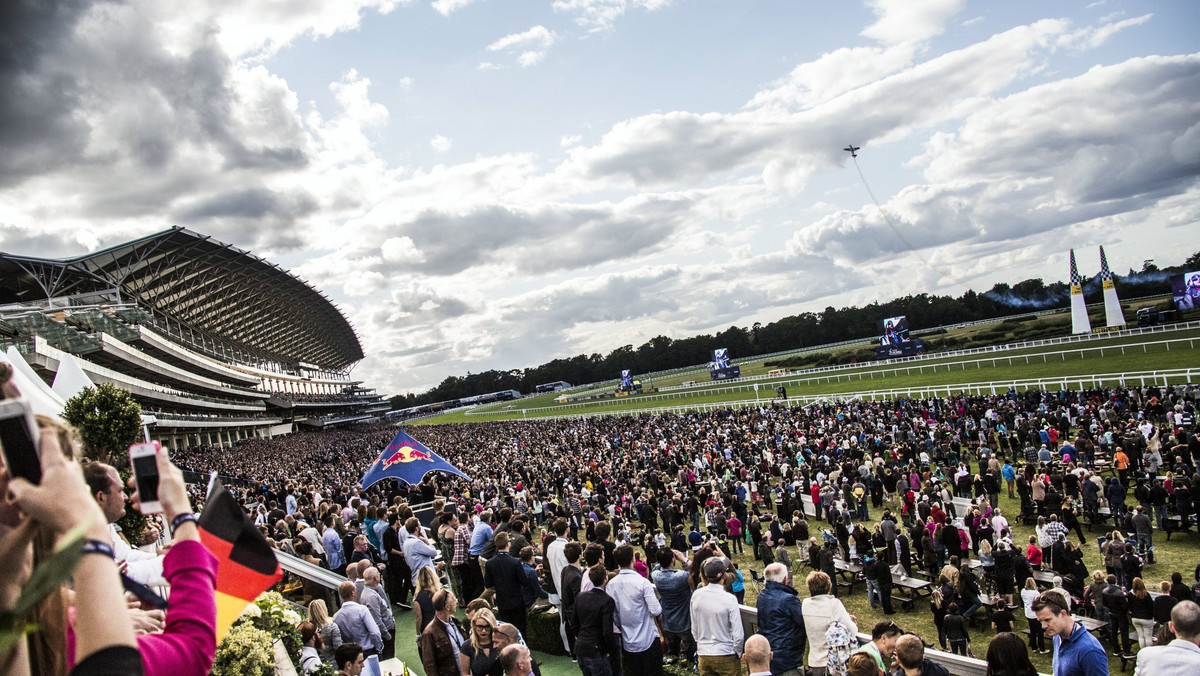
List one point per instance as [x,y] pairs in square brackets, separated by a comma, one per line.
[19,440]
[145,472]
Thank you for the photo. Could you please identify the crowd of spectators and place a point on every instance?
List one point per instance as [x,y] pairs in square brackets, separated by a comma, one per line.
[726,480]
[629,527]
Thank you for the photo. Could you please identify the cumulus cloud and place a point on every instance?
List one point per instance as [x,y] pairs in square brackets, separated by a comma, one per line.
[440,143]
[910,20]
[601,15]
[531,45]
[788,146]
[401,250]
[445,7]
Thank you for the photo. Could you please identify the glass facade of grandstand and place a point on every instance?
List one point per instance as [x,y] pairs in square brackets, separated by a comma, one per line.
[215,343]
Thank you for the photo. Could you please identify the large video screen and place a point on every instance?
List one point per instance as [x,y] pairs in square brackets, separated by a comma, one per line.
[893,330]
[1185,290]
[720,358]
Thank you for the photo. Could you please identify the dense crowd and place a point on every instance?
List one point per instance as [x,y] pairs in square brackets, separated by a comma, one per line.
[928,473]
[632,529]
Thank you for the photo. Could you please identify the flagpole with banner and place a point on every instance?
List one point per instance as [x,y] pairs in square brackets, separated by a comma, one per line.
[408,460]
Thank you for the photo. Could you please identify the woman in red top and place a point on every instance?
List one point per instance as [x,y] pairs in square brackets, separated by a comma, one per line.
[1034,553]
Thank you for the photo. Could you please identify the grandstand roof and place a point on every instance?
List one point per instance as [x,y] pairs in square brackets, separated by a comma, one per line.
[200,282]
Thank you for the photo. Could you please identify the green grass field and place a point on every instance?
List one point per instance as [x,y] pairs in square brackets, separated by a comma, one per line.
[1114,357]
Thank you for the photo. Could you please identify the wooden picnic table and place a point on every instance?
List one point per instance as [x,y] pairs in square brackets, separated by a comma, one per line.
[973,564]
[1045,577]
[908,591]
[848,570]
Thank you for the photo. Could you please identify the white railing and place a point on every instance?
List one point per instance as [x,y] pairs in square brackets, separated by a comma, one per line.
[1024,345]
[1079,382]
[868,372]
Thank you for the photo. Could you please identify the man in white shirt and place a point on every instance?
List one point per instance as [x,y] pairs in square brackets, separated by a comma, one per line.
[556,560]
[638,612]
[418,550]
[716,623]
[999,524]
[105,486]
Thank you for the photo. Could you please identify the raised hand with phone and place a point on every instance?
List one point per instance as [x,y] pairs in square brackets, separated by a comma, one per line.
[159,487]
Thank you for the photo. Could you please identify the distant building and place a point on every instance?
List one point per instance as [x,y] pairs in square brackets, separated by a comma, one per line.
[214,342]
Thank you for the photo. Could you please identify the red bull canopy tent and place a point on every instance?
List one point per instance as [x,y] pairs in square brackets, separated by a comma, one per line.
[407,460]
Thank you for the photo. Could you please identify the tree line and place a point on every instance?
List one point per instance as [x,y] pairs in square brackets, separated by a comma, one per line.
[831,325]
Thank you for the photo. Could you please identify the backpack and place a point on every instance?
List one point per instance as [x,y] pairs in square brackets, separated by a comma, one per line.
[841,646]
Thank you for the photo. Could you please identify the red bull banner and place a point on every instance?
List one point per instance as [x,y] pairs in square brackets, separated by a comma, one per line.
[407,460]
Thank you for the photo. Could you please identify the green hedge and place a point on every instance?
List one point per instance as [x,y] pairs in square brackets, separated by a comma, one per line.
[541,633]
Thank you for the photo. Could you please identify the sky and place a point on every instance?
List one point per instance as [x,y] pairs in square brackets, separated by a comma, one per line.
[491,184]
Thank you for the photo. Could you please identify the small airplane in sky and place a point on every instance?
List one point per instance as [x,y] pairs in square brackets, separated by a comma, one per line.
[853,150]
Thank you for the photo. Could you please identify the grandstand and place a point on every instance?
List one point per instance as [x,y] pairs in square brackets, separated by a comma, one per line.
[215,343]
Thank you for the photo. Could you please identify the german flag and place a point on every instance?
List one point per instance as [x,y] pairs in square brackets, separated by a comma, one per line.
[246,566]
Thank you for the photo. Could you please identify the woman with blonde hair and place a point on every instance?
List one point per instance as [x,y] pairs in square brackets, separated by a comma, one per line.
[327,629]
[428,584]
[1141,610]
[1037,635]
[480,654]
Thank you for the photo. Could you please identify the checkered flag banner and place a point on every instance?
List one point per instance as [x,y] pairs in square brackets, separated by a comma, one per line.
[1106,275]
[1076,280]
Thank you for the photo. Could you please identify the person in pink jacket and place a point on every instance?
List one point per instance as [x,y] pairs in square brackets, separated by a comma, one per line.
[188,641]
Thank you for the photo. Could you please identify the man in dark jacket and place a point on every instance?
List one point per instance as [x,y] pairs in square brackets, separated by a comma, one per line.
[825,563]
[1116,493]
[572,580]
[1117,605]
[506,575]
[597,645]
[780,621]
[883,575]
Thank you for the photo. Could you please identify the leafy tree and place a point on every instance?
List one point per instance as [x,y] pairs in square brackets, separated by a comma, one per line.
[108,420]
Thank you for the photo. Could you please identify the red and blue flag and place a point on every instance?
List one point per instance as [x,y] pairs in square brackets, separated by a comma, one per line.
[408,460]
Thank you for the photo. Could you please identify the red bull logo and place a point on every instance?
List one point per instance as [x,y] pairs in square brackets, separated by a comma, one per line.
[403,452]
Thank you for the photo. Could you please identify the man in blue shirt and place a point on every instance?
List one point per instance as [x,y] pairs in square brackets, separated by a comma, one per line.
[355,622]
[482,534]
[335,555]
[675,596]
[1076,651]
[781,622]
